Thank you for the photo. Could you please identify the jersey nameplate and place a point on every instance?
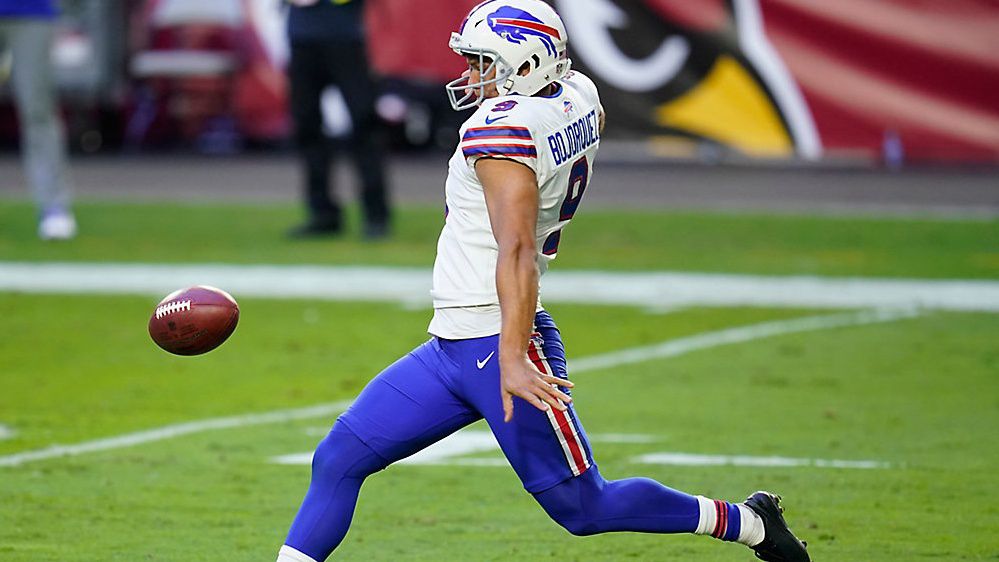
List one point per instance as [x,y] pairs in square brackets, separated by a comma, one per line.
[575,138]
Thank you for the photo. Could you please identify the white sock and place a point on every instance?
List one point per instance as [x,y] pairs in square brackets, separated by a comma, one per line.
[751,531]
[708,520]
[289,554]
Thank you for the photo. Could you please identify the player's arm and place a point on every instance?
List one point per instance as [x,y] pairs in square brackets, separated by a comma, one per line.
[511,191]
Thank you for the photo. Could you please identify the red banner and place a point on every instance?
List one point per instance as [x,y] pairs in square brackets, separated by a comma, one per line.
[770,78]
[927,71]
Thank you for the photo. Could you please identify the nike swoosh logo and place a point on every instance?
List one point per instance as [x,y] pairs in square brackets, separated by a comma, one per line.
[482,363]
[491,121]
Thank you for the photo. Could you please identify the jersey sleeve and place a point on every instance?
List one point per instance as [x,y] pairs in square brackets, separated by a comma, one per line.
[499,131]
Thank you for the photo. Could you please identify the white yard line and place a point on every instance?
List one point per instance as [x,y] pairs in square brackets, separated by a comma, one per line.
[170,431]
[455,448]
[6,432]
[448,451]
[681,346]
[670,348]
[693,459]
[412,286]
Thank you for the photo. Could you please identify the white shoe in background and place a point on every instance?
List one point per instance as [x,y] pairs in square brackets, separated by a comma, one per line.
[57,225]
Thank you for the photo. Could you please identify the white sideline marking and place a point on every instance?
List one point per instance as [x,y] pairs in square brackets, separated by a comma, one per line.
[447,452]
[412,285]
[623,438]
[176,430]
[670,348]
[741,334]
[6,432]
[293,459]
[467,442]
[691,459]
[455,445]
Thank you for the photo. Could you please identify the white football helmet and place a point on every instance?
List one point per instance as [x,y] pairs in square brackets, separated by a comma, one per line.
[510,34]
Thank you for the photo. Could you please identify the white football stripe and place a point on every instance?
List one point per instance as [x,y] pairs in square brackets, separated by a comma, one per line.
[693,459]
[6,432]
[681,346]
[293,459]
[176,430]
[670,348]
[448,452]
[460,443]
[466,442]
[412,285]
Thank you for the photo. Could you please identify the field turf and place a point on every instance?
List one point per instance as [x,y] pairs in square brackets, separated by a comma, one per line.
[919,395]
[596,239]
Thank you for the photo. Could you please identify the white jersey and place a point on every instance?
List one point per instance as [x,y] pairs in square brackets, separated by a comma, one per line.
[556,136]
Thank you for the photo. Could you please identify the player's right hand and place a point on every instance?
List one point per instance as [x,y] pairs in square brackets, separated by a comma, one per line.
[522,379]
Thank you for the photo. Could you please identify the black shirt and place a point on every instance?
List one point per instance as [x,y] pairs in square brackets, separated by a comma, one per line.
[327,20]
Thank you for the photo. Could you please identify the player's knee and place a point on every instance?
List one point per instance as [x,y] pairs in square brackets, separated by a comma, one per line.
[571,517]
[325,458]
[342,454]
[567,503]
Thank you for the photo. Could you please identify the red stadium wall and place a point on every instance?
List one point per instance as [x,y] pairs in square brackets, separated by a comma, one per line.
[409,39]
[928,70]
[772,78]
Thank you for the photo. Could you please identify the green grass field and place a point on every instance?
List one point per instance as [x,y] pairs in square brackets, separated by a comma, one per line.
[920,395]
[597,239]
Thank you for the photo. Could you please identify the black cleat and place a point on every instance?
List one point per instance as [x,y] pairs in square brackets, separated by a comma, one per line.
[779,543]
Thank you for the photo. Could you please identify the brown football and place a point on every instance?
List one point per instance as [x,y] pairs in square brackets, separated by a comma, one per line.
[194,320]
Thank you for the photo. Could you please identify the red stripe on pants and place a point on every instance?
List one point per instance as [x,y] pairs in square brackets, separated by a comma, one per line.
[564,424]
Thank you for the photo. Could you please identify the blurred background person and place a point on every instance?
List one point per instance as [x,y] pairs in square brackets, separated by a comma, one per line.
[328,48]
[27,30]
[188,55]
[409,50]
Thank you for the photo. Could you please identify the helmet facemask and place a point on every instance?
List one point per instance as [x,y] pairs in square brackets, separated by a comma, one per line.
[466,95]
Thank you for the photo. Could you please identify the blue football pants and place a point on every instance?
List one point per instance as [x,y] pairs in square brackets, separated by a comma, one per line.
[445,385]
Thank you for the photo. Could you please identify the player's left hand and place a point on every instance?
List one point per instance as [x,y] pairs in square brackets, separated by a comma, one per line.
[522,379]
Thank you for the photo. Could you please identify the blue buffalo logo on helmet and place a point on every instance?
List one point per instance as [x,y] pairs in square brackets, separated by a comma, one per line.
[516,25]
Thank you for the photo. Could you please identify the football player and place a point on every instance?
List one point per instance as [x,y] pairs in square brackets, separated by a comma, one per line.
[515,181]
